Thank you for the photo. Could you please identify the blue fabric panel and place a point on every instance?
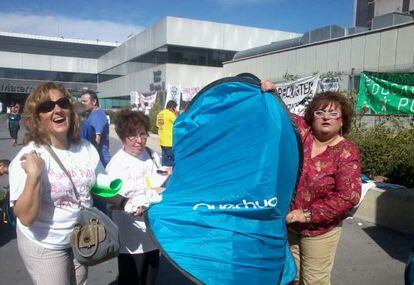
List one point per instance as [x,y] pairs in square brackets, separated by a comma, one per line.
[222,218]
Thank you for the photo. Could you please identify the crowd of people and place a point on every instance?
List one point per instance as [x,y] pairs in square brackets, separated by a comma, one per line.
[46,207]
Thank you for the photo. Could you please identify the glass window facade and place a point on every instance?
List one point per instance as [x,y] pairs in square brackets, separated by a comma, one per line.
[13,73]
[114,103]
[198,56]
[169,54]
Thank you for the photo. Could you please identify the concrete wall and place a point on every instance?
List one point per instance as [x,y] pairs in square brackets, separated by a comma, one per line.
[192,75]
[190,33]
[386,6]
[203,34]
[392,209]
[122,86]
[173,74]
[180,32]
[47,62]
[148,40]
[390,49]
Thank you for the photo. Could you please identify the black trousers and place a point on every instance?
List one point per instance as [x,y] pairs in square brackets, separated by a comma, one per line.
[14,131]
[138,269]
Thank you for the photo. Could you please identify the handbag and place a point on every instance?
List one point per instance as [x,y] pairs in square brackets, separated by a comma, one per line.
[95,236]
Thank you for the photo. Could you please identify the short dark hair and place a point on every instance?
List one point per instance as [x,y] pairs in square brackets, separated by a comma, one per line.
[92,94]
[5,162]
[171,104]
[129,121]
[322,100]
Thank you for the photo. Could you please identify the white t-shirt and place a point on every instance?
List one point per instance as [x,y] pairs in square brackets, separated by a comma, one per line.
[132,170]
[59,208]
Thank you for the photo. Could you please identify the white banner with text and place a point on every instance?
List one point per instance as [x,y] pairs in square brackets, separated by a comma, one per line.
[297,94]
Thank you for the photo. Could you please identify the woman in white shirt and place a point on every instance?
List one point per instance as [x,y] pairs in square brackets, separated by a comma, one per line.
[42,194]
[134,163]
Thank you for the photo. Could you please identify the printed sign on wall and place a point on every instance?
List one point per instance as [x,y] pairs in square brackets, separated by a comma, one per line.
[297,94]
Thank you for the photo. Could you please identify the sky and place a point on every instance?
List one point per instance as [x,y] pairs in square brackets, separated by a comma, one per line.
[108,20]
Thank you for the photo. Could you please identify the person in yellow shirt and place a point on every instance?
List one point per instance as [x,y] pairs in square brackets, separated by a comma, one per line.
[165,123]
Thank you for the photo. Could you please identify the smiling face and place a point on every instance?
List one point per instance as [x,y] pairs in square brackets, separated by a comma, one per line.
[327,123]
[56,122]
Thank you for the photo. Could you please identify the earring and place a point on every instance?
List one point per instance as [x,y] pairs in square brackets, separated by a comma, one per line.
[340,131]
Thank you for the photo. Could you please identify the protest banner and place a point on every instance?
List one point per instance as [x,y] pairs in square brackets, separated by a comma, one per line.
[188,93]
[329,84]
[173,93]
[134,98]
[149,101]
[386,93]
[297,94]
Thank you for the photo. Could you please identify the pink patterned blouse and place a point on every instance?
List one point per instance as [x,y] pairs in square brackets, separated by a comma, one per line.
[330,184]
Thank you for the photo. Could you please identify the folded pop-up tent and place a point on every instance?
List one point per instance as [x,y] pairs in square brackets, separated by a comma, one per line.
[237,160]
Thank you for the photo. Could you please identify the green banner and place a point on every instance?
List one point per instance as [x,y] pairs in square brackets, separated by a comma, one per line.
[386,93]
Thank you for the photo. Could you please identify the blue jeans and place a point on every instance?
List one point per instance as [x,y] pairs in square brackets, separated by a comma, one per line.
[167,156]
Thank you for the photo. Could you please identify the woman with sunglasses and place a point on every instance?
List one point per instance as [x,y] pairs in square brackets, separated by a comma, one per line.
[40,191]
[329,186]
[135,163]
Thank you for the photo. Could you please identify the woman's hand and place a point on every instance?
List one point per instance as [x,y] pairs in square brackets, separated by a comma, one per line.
[139,211]
[296,216]
[28,205]
[159,190]
[32,163]
[267,86]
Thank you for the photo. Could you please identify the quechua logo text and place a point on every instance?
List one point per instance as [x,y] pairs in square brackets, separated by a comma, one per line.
[244,204]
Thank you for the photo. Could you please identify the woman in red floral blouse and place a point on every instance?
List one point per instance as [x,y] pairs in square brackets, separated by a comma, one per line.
[329,186]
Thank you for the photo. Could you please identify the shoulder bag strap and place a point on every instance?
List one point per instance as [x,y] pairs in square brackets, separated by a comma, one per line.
[151,154]
[59,162]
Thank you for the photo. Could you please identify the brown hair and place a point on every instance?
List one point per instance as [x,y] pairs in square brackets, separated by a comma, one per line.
[322,100]
[35,131]
[92,96]
[5,162]
[129,121]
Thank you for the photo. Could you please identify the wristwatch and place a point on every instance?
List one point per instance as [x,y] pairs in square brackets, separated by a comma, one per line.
[308,215]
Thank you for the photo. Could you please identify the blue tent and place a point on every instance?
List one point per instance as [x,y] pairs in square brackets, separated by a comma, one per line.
[237,161]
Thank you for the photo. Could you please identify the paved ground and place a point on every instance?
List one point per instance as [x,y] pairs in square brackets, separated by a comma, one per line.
[367,254]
